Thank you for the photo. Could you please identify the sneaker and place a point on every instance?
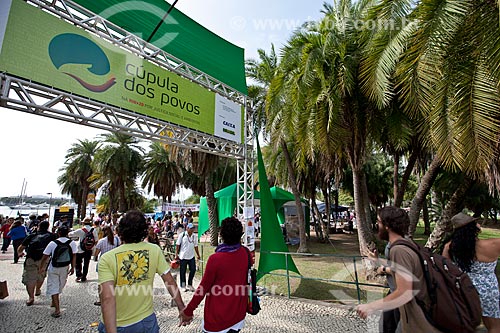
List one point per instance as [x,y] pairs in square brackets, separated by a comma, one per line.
[190,288]
[78,279]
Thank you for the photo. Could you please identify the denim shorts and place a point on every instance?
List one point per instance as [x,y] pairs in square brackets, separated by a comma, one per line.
[147,325]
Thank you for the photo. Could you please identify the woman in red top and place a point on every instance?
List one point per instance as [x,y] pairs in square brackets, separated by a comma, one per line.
[224,283]
[4,230]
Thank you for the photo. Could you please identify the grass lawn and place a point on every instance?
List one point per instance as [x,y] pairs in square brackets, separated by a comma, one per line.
[334,261]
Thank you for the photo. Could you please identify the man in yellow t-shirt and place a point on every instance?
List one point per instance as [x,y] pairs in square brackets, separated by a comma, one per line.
[126,276]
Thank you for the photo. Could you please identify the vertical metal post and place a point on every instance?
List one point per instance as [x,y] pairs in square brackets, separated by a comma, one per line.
[357,281]
[287,275]
[202,260]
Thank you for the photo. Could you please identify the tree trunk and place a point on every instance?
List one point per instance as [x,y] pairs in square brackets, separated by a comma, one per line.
[123,198]
[366,205]
[83,200]
[317,220]
[326,225]
[364,232]
[422,191]
[300,212]
[454,206]
[398,199]
[427,221]
[395,177]
[212,212]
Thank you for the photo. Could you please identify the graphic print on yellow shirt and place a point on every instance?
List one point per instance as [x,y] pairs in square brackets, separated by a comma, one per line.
[133,267]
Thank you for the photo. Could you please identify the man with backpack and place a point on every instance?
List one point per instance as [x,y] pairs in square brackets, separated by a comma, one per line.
[35,244]
[62,254]
[405,264]
[87,239]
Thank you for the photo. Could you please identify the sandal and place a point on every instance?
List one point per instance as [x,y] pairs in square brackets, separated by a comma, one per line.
[55,315]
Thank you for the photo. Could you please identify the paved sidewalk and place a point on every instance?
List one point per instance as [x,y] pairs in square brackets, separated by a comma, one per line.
[278,314]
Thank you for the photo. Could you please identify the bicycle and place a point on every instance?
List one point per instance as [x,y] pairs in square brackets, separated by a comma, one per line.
[168,247]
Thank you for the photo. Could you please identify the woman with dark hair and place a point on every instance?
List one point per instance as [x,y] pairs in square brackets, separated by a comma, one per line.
[224,283]
[478,258]
[105,244]
[17,234]
[152,236]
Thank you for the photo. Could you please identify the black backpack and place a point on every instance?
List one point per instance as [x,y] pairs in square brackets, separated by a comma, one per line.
[63,253]
[454,304]
[37,245]
[253,305]
[87,243]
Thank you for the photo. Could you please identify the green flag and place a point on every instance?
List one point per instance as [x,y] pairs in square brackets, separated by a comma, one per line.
[271,235]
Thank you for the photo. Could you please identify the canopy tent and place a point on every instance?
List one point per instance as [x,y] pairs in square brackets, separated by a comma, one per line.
[280,197]
[322,208]
[226,204]
[178,35]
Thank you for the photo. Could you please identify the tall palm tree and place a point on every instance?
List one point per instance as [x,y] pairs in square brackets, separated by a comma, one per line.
[317,95]
[264,71]
[443,65]
[202,165]
[70,186]
[161,173]
[119,162]
[78,167]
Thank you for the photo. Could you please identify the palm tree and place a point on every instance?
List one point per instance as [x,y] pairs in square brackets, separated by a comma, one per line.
[119,163]
[317,95]
[264,71]
[443,65]
[78,167]
[70,186]
[202,165]
[161,173]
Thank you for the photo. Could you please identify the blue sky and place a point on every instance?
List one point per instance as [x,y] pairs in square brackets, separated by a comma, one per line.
[33,147]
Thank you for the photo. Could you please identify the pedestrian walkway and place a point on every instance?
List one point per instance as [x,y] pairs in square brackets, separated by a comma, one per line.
[278,314]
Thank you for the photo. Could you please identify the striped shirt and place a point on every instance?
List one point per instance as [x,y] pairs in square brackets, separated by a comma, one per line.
[104,246]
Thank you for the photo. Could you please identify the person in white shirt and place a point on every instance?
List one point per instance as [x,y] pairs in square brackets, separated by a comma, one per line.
[57,276]
[187,244]
[81,254]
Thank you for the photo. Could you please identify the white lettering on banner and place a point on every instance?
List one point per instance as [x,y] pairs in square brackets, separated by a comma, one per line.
[169,207]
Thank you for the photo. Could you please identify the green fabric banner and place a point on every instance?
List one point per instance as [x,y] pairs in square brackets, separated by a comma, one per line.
[271,235]
[226,204]
[178,35]
[64,56]
[203,223]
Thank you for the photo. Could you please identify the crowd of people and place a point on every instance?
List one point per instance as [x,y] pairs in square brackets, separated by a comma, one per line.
[128,255]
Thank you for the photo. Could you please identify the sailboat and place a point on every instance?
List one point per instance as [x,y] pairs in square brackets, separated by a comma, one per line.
[22,196]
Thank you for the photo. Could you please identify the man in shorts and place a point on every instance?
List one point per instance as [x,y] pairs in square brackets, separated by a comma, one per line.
[35,244]
[57,276]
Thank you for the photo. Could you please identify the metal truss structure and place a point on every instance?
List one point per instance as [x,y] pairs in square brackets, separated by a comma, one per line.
[27,96]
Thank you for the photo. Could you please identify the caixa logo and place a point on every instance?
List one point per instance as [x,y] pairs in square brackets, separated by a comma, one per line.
[72,49]
[228,124]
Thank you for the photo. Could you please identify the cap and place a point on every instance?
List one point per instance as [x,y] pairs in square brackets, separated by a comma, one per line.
[461,220]
[190,226]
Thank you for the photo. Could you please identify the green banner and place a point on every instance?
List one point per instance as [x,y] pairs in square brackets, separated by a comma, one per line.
[271,236]
[50,51]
